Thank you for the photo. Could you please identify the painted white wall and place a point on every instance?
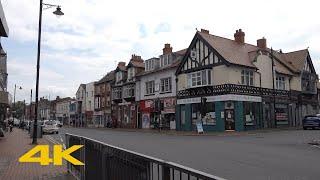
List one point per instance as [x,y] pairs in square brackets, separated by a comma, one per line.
[89,97]
[62,108]
[157,76]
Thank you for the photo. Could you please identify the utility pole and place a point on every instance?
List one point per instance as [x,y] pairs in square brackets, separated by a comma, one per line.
[30,110]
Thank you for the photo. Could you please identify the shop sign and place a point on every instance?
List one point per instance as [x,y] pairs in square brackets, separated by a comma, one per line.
[229,97]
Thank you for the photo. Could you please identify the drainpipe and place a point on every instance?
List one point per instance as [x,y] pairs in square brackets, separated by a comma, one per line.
[261,105]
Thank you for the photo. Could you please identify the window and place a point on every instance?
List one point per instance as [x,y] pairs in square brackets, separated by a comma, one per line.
[130,73]
[149,87]
[117,93]
[119,76]
[199,78]
[129,91]
[165,60]
[209,118]
[91,93]
[149,65]
[280,82]
[247,77]
[165,85]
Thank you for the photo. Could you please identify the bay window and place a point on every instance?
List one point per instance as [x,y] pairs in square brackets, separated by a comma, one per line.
[199,78]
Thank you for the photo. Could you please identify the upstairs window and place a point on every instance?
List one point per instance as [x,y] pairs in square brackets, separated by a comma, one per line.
[280,82]
[119,76]
[130,73]
[149,65]
[199,78]
[165,60]
[247,77]
[149,87]
[165,85]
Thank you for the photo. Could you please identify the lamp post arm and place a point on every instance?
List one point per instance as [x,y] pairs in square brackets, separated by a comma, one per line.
[48,6]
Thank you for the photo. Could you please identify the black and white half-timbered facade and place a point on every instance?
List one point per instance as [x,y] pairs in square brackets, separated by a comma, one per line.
[245,86]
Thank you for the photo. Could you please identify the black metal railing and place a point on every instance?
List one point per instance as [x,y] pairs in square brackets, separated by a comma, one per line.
[107,162]
[231,89]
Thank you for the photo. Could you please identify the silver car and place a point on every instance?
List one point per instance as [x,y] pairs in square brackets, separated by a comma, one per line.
[50,127]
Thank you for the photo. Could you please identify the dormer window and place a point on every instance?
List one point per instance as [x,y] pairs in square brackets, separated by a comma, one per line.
[131,73]
[165,60]
[119,76]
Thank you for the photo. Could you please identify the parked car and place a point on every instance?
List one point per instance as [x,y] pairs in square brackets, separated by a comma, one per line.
[50,127]
[311,122]
[59,124]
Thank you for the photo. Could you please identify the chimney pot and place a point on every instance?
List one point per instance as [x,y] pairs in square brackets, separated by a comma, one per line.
[167,49]
[262,43]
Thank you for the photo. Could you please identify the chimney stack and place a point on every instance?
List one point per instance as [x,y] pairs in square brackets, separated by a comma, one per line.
[262,43]
[136,58]
[167,49]
[121,64]
[205,31]
[239,36]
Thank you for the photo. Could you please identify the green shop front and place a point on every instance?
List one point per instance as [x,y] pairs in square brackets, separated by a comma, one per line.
[227,112]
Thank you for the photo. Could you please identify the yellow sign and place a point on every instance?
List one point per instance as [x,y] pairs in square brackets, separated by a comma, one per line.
[44,158]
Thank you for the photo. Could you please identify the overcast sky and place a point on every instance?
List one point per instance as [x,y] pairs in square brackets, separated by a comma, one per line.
[94,35]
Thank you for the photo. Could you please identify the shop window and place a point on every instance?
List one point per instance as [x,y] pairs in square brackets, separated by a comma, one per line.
[183,115]
[281,111]
[210,117]
[249,111]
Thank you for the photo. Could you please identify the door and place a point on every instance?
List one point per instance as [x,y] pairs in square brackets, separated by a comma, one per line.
[229,119]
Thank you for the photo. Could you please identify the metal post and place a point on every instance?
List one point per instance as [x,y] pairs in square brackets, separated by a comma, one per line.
[35,124]
[14,100]
[30,110]
[274,94]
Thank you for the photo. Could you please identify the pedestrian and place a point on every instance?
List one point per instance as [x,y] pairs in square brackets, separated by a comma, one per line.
[11,127]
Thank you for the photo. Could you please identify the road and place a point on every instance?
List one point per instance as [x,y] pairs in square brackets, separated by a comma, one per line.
[284,155]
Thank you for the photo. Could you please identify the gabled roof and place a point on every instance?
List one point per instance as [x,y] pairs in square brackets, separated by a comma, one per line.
[134,63]
[232,51]
[295,59]
[108,77]
[178,55]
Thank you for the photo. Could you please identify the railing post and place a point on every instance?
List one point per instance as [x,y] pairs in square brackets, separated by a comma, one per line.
[103,162]
[165,172]
[83,158]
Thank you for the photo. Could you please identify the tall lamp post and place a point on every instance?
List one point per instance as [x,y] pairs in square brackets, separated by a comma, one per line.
[57,12]
[14,98]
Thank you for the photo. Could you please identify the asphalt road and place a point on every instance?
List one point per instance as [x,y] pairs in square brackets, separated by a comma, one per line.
[284,155]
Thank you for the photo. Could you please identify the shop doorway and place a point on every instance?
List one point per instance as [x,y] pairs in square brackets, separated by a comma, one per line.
[229,120]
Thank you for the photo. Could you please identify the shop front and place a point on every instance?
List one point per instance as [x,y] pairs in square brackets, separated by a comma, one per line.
[127,115]
[98,118]
[222,113]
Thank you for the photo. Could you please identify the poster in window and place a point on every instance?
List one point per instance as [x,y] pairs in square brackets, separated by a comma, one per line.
[145,121]
[209,119]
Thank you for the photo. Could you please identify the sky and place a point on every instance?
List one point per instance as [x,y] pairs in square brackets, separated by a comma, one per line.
[94,35]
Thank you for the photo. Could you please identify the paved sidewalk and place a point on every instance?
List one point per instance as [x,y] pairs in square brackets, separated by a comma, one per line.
[12,146]
[194,133]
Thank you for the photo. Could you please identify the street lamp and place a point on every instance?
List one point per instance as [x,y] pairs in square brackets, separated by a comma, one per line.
[14,97]
[57,12]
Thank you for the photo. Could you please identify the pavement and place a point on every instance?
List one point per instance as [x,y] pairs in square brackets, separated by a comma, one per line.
[264,155]
[15,144]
